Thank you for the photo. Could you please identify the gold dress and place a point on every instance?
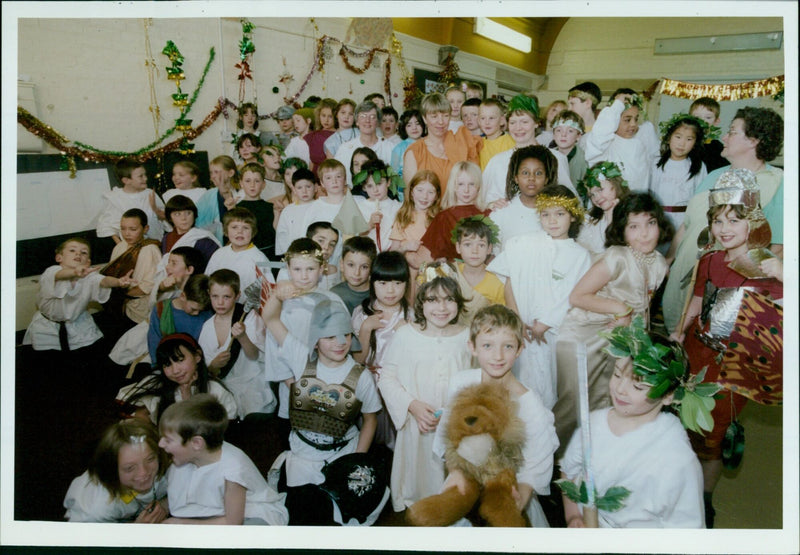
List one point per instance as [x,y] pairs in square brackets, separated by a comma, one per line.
[634,279]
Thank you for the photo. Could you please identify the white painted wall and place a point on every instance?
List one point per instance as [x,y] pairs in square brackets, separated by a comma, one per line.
[92,85]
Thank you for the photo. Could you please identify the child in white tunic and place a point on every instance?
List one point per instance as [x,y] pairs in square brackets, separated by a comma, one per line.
[240,254]
[211,481]
[639,446]
[378,209]
[496,340]
[680,168]
[125,479]
[613,138]
[290,222]
[538,287]
[232,344]
[605,187]
[417,369]
[65,291]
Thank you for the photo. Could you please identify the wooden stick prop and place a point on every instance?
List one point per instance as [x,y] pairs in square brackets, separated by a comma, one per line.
[590,508]
[689,295]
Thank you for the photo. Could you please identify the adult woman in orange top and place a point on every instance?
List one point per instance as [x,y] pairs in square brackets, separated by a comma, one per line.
[441,149]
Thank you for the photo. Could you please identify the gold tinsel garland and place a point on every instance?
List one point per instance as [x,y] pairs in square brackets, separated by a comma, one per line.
[730,92]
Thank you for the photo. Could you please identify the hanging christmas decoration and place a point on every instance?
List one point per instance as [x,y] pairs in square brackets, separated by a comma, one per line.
[449,74]
[412,94]
[246,50]
[152,69]
[725,92]
[179,99]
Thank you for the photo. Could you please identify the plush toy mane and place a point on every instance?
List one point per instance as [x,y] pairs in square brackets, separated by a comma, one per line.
[485,409]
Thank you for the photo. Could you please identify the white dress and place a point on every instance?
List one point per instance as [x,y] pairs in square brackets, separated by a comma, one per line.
[243,263]
[246,377]
[494,175]
[65,301]
[603,144]
[543,273]
[117,202]
[541,442]
[388,208]
[90,501]
[290,226]
[655,462]
[418,367]
[672,186]
[515,219]
[199,491]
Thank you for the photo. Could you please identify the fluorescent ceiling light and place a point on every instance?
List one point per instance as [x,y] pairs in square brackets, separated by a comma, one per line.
[502,34]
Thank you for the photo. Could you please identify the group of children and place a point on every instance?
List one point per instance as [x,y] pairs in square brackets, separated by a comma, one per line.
[516,268]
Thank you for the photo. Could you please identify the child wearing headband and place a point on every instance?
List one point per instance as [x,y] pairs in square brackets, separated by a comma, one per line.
[538,287]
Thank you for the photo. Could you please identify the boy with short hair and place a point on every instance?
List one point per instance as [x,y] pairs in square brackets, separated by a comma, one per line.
[290,222]
[211,481]
[133,194]
[323,431]
[252,182]
[473,238]
[186,313]
[63,322]
[377,99]
[182,262]
[473,90]
[490,118]
[135,253]
[469,115]
[239,255]
[389,118]
[495,341]
[583,100]
[568,128]
[707,109]
[456,97]
[233,344]
[358,253]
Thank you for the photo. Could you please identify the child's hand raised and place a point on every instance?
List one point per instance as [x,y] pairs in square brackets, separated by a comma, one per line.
[426,417]
[159,213]
[83,271]
[167,283]
[230,202]
[374,322]
[498,204]
[127,280]
[286,290]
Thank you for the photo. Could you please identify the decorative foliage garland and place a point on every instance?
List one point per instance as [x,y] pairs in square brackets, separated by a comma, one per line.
[246,49]
[449,74]
[736,91]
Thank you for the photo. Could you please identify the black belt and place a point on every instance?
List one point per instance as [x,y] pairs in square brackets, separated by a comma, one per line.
[336,445]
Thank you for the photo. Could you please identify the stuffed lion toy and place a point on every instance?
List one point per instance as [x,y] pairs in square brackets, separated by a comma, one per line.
[484,440]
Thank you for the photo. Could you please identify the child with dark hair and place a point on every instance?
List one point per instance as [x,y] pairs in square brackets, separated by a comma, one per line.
[380,206]
[210,480]
[179,373]
[290,224]
[707,109]
[604,186]
[618,286]
[141,255]
[233,345]
[358,254]
[680,168]
[411,128]
[388,126]
[186,313]
[181,213]
[538,287]
[133,194]
[417,368]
